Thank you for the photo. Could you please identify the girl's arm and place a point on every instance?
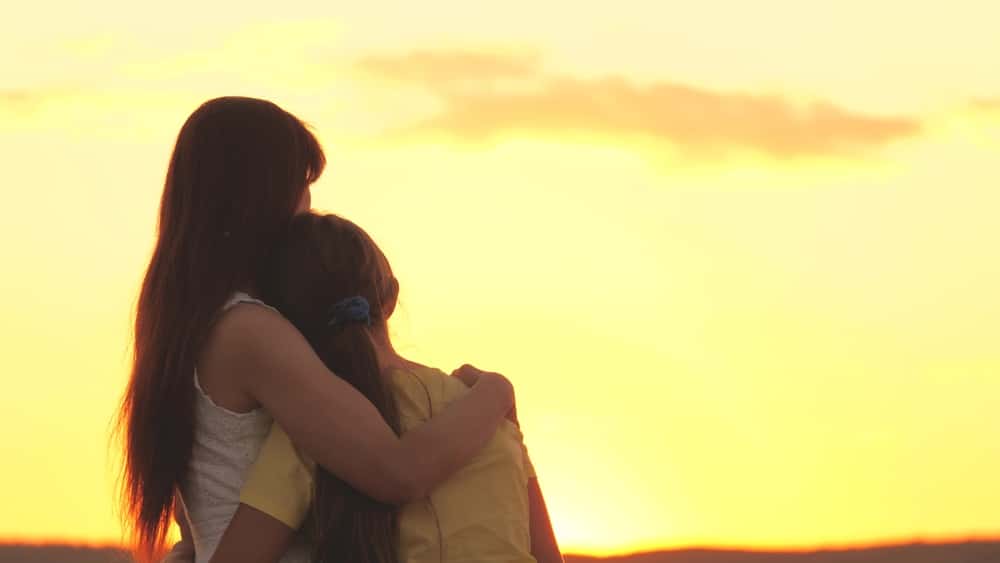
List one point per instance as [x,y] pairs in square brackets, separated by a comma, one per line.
[544,547]
[337,426]
[253,537]
[183,551]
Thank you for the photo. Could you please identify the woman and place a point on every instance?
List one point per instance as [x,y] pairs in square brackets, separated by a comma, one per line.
[212,365]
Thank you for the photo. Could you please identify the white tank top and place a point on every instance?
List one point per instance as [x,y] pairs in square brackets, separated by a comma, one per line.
[226,443]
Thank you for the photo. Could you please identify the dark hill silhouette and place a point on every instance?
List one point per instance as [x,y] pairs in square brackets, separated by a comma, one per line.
[963,552]
[27,553]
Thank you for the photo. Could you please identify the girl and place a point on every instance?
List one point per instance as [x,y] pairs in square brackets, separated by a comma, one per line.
[212,364]
[336,286]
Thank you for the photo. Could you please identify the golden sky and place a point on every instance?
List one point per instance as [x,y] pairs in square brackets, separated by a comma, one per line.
[740,259]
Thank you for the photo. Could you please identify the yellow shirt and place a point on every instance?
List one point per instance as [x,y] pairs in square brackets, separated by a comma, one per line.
[479,514]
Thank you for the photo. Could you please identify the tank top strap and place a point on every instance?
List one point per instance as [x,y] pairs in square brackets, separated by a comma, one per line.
[241,297]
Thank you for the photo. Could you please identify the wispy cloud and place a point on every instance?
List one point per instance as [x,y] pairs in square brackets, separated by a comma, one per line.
[437,69]
[985,104]
[21,100]
[21,105]
[485,95]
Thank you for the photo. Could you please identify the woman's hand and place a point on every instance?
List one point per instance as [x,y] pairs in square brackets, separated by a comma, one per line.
[473,376]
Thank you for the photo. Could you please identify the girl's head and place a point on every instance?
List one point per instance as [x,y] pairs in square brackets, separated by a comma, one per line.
[240,170]
[325,260]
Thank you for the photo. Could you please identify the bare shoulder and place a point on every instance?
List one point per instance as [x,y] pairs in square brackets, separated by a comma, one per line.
[250,324]
[247,342]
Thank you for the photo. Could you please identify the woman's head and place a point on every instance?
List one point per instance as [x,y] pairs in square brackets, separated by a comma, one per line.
[240,170]
[325,260]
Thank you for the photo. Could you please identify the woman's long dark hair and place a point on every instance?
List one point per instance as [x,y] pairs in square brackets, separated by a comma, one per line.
[326,259]
[238,171]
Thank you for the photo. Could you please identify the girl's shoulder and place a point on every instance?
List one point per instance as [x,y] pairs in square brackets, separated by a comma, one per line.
[446,388]
[426,387]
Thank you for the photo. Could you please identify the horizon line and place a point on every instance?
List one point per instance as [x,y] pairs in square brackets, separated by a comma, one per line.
[764,549]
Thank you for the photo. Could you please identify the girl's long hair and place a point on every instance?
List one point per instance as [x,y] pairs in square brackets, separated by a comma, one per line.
[237,173]
[326,259]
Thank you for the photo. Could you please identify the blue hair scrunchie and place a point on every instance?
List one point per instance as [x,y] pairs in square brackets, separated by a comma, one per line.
[351,310]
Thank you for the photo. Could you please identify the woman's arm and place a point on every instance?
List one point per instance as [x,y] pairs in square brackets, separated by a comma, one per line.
[544,547]
[337,426]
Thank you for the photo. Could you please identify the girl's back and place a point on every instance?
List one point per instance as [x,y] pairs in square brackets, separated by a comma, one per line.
[481,512]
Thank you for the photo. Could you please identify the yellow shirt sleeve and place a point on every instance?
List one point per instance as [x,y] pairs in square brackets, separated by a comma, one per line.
[280,482]
[529,468]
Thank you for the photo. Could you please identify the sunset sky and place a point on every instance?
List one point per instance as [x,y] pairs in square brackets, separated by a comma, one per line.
[740,259]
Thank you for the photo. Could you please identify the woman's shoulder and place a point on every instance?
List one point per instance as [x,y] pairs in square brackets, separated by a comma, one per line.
[250,337]
[243,323]
[241,297]
[248,320]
